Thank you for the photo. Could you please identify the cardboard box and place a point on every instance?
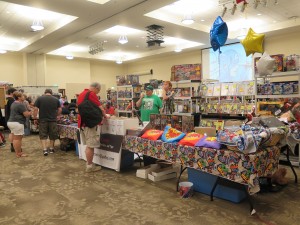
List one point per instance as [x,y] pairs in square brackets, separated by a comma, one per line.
[165,171]
[143,172]
[164,177]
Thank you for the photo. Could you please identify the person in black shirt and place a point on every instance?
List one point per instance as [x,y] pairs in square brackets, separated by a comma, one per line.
[48,108]
[9,101]
[65,109]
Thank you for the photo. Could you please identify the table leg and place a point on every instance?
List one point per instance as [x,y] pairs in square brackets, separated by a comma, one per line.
[213,189]
[288,163]
[181,171]
[234,185]
[140,160]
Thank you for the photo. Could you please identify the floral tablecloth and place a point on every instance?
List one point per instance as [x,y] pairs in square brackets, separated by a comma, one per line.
[68,131]
[233,165]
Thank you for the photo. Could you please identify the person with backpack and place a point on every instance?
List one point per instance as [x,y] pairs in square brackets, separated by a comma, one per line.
[90,116]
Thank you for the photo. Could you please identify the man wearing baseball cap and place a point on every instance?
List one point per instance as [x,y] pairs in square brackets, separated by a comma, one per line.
[149,103]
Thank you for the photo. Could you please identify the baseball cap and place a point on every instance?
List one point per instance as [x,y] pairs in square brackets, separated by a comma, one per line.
[149,88]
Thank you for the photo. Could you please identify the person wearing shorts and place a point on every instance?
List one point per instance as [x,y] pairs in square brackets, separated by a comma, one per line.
[48,108]
[16,122]
[90,136]
[9,100]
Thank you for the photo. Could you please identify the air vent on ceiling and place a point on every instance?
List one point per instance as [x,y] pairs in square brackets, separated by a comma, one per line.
[155,36]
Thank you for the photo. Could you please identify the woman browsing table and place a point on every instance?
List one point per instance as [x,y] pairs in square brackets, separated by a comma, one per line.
[16,122]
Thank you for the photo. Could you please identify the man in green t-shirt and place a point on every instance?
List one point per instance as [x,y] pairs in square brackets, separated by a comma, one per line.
[150,104]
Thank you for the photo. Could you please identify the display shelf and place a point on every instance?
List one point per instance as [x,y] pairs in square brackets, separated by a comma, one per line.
[279,74]
[267,86]
[182,98]
[185,81]
[124,111]
[278,96]
[124,99]
[182,114]
[125,86]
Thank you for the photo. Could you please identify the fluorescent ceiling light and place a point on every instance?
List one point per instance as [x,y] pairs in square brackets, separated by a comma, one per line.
[33,13]
[121,30]
[2,51]
[70,57]
[99,1]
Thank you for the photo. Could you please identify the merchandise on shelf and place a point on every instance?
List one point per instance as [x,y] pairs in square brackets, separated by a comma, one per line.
[218,124]
[179,122]
[278,88]
[186,72]
[132,79]
[282,63]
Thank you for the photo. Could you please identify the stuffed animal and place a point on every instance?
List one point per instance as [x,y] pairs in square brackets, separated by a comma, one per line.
[279,177]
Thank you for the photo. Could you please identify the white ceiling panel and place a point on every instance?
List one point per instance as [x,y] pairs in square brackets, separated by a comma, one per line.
[72,26]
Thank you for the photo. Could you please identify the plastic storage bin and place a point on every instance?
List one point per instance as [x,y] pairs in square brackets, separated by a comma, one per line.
[127,159]
[204,182]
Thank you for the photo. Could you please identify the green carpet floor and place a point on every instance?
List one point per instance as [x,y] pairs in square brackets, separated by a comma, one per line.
[40,190]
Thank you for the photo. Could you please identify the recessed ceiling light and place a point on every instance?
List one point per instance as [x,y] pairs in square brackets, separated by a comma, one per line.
[187,20]
[105,41]
[37,25]
[119,61]
[202,20]
[123,39]
[99,1]
[178,50]
[70,57]
[2,51]
[259,14]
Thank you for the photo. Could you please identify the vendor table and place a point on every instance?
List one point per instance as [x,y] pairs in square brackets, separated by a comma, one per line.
[232,165]
[68,131]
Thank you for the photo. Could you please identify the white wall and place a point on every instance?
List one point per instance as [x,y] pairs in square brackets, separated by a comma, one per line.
[105,73]
[11,68]
[60,71]
[161,65]
[286,44]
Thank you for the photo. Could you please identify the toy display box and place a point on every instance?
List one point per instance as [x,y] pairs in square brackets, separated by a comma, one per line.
[179,122]
[204,182]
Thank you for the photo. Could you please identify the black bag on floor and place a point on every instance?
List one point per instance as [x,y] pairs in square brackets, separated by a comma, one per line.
[67,144]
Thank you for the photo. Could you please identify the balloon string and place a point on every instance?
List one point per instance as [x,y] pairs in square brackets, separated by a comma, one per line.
[219,62]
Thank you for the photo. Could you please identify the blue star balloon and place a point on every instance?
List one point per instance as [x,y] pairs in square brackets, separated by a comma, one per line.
[218,34]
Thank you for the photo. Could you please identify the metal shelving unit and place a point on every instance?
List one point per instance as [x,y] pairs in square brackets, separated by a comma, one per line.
[285,76]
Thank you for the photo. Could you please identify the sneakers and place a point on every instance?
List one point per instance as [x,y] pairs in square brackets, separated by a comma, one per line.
[92,168]
[51,150]
[45,152]
[2,145]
